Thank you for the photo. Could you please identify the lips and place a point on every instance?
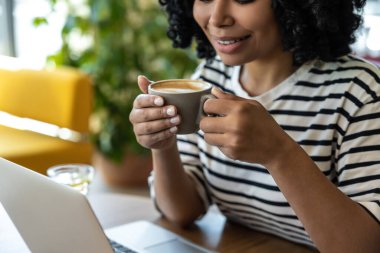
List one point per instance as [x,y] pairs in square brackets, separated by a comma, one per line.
[230,45]
[230,41]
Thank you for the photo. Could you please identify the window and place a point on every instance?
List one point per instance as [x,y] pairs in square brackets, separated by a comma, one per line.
[36,43]
[20,38]
[368,37]
[6,28]
[372,7]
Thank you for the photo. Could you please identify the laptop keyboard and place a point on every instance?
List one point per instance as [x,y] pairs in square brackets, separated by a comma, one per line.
[118,248]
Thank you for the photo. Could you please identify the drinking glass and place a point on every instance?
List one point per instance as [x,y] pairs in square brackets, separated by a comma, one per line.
[77,176]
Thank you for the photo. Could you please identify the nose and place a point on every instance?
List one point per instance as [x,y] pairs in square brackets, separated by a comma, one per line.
[220,16]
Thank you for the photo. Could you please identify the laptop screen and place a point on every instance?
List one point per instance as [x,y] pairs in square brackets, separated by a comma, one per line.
[49,215]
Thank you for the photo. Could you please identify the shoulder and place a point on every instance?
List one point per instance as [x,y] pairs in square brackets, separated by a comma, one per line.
[355,64]
[350,74]
[348,65]
[352,66]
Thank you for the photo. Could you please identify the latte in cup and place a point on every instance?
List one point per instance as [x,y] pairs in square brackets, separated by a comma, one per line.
[188,96]
[174,86]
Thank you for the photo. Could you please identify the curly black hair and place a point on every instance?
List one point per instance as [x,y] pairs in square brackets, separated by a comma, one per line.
[310,29]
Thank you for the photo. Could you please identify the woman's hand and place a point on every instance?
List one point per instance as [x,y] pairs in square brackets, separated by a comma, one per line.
[245,131]
[154,124]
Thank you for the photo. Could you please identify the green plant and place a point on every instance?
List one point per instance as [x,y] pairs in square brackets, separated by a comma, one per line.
[114,41]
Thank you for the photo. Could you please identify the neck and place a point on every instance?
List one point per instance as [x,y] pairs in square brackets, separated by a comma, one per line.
[259,76]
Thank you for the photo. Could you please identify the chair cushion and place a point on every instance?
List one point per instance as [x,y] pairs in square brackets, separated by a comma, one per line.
[60,96]
[38,152]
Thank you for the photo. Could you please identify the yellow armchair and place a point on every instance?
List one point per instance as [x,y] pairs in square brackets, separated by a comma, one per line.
[50,111]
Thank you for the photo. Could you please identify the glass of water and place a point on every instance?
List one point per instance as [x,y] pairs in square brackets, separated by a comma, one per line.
[77,176]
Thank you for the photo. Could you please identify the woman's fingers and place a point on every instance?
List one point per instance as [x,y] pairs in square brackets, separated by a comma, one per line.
[151,114]
[151,139]
[154,124]
[216,139]
[149,107]
[224,103]
[218,93]
[213,125]
[152,127]
[219,106]
[145,101]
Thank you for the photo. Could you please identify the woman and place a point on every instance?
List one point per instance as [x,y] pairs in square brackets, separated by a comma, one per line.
[296,151]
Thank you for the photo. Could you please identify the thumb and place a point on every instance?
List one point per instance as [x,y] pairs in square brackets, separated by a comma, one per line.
[143,83]
[218,93]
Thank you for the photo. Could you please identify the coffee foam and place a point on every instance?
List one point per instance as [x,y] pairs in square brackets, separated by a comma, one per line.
[179,87]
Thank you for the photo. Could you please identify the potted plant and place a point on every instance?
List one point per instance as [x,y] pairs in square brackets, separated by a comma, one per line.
[114,41]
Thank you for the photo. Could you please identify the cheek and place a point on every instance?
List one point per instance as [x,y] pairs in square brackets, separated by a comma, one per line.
[200,15]
[266,29]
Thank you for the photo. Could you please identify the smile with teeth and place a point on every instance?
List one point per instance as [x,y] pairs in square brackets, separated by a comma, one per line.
[229,42]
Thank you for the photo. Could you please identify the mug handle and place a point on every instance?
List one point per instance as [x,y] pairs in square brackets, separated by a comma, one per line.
[201,112]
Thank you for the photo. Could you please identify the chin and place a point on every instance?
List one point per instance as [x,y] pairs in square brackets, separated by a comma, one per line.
[234,60]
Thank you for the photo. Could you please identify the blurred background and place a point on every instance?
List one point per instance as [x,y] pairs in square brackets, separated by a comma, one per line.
[368,42]
[20,38]
[111,41]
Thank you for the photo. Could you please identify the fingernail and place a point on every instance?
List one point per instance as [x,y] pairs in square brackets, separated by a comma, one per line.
[174,120]
[217,89]
[173,130]
[170,111]
[159,101]
[142,76]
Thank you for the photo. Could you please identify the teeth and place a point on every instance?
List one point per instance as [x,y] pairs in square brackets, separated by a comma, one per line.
[229,42]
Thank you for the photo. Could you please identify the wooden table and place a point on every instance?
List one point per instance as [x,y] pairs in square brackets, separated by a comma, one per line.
[213,231]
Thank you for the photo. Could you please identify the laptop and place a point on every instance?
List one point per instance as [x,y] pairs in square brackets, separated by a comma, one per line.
[54,218]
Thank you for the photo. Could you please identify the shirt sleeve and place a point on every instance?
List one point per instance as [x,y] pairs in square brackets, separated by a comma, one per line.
[358,160]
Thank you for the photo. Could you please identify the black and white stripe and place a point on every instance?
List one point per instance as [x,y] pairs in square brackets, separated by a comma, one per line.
[331,109]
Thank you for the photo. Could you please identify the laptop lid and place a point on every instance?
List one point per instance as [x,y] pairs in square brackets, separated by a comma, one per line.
[50,217]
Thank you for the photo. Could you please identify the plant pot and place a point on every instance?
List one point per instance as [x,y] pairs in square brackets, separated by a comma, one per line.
[132,171]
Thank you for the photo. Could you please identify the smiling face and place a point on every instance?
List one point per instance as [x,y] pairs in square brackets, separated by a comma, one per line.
[240,31]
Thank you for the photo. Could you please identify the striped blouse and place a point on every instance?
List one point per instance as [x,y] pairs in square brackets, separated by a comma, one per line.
[331,109]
